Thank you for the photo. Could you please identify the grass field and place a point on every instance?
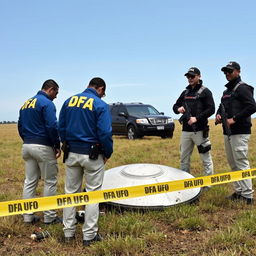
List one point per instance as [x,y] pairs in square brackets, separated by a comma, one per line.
[213,226]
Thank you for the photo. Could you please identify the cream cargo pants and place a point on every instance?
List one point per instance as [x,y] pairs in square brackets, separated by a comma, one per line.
[237,155]
[40,162]
[188,141]
[77,166]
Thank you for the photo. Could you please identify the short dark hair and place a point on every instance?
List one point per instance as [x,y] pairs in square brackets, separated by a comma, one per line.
[97,82]
[49,84]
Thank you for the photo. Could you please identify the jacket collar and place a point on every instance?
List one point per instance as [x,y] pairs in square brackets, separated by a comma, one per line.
[44,94]
[196,88]
[92,91]
[231,84]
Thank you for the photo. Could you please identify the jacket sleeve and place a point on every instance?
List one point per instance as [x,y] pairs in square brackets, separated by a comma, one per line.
[104,130]
[62,123]
[51,126]
[208,103]
[178,103]
[245,95]
[20,127]
[218,111]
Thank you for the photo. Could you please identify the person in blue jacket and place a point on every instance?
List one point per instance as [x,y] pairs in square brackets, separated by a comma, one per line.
[38,129]
[85,130]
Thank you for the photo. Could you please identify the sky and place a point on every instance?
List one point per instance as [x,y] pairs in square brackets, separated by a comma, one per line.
[141,48]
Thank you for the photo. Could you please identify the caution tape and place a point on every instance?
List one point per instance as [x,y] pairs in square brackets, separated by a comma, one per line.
[70,200]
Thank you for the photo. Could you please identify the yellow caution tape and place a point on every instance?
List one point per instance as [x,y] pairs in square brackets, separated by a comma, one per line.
[61,201]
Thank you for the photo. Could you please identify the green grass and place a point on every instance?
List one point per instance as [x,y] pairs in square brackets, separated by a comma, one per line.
[128,224]
[211,227]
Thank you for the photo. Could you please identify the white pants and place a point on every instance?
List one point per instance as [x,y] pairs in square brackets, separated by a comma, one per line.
[77,166]
[188,141]
[40,161]
[237,151]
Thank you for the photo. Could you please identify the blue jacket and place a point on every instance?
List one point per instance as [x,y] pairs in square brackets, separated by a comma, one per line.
[85,120]
[37,121]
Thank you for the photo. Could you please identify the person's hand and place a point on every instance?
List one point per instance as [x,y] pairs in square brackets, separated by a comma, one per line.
[181,110]
[192,120]
[57,152]
[230,121]
[218,119]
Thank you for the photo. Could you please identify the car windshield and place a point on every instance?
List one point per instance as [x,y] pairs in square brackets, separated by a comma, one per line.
[142,110]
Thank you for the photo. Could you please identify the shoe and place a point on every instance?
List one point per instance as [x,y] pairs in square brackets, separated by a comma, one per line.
[97,238]
[248,201]
[57,220]
[234,197]
[69,239]
[34,220]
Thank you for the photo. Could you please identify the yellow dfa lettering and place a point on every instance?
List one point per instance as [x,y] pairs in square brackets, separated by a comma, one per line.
[25,105]
[73,101]
[32,104]
[81,100]
[89,104]
[76,101]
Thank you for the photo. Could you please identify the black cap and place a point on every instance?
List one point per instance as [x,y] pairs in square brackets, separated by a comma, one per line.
[193,71]
[232,65]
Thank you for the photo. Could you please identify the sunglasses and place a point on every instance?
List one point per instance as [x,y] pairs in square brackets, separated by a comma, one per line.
[230,71]
[191,76]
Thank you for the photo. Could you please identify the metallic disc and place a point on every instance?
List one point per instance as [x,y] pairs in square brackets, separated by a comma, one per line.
[142,174]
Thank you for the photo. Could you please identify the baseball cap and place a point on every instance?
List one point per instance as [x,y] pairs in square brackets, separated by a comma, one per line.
[193,71]
[231,66]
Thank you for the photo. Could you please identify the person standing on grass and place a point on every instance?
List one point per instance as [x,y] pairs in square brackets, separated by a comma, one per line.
[38,129]
[239,105]
[195,104]
[86,133]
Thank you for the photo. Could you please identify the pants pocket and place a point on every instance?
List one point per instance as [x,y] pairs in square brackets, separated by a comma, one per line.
[71,160]
[241,152]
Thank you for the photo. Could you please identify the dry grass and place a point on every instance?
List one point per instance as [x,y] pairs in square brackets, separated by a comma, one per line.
[214,226]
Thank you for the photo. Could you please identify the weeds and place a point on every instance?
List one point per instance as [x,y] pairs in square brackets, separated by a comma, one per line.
[193,223]
[247,221]
[119,246]
[213,226]
[235,238]
[173,214]
[128,224]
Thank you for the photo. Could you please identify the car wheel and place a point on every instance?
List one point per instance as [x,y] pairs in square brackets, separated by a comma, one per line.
[131,132]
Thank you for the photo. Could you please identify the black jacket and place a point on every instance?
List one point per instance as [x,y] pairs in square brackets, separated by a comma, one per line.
[240,105]
[201,108]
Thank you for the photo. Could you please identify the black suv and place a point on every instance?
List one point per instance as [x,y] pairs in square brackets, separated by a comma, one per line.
[136,120]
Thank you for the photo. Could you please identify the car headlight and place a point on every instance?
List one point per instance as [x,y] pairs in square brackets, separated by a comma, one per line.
[142,121]
[169,120]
